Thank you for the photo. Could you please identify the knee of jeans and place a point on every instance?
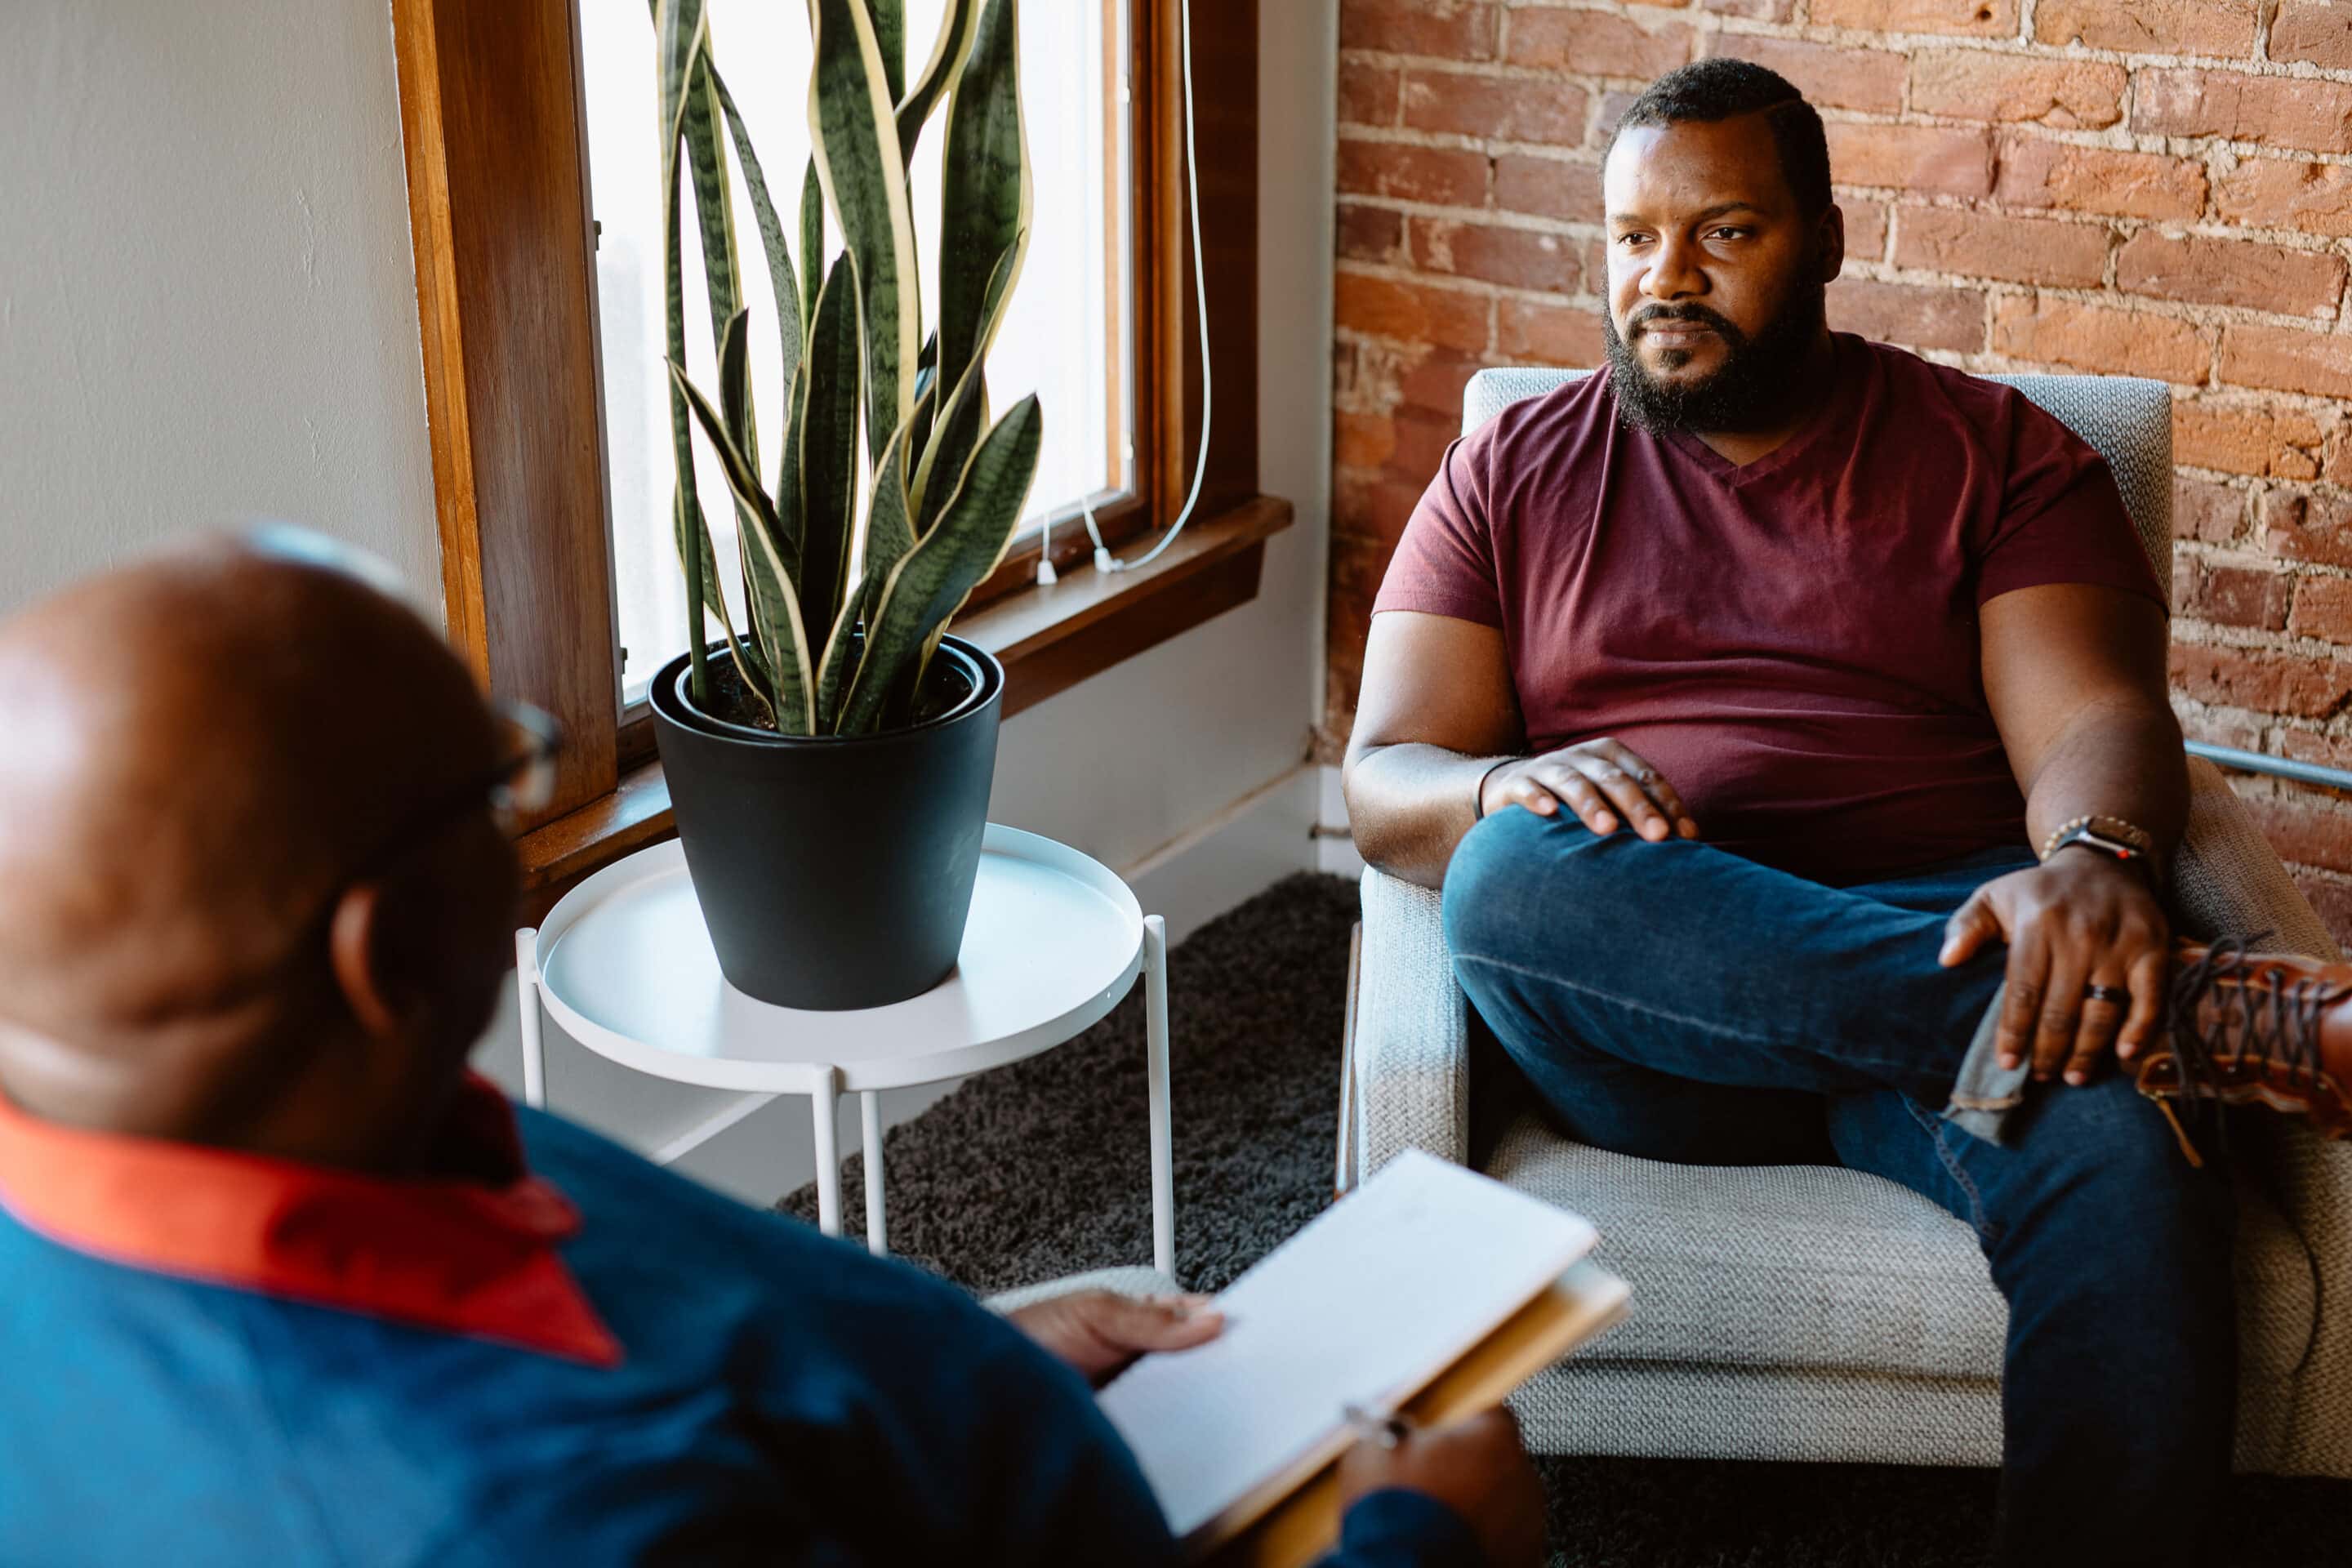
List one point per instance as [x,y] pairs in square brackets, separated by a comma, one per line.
[2110,1152]
[1490,881]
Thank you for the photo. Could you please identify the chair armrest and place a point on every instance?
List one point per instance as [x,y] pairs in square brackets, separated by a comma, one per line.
[2227,880]
[1135,1281]
[1411,1052]
[2312,1179]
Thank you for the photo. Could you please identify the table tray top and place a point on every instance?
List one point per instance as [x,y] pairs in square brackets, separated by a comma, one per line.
[625,967]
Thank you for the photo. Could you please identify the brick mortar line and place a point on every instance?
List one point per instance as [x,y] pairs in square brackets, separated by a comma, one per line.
[2204,150]
[2241,639]
[1704,26]
[2196,312]
[2247,554]
[1897,199]
[2107,294]
[1900,198]
[2024,43]
[2119,137]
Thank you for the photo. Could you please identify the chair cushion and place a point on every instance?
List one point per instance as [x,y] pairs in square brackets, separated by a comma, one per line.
[1812,1266]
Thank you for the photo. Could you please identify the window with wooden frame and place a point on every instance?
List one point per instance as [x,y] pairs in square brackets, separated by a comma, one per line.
[500,103]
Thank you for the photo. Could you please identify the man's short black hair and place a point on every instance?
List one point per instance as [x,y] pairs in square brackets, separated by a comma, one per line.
[1715,89]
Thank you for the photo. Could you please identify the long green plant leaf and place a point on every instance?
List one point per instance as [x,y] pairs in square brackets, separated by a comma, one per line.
[812,240]
[948,53]
[949,439]
[854,128]
[828,454]
[714,205]
[926,400]
[781,280]
[890,40]
[681,28]
[889,537]
[771,232]
[760,583]
[936,577]
[793,686]
[890,523]
[985,196]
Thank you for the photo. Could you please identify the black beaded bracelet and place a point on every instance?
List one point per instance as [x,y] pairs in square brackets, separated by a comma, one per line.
[1478,798]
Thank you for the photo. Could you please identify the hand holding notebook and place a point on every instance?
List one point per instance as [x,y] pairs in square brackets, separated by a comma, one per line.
[1429,1283]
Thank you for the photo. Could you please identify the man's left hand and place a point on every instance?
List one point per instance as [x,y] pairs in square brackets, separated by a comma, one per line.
[1100,1331]
[2074,922]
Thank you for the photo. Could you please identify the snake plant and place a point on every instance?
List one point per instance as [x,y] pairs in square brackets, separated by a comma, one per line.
[846,603]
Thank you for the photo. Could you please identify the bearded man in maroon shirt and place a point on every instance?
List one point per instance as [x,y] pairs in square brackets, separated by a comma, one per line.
[1729,695]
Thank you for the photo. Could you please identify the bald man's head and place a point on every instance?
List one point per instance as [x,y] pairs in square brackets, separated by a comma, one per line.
[201,758]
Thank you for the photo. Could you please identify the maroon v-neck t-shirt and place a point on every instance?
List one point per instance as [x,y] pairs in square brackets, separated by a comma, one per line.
[1792,642]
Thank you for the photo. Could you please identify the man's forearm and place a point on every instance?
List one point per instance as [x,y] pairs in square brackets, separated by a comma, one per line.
[1411,803]
[2118,759]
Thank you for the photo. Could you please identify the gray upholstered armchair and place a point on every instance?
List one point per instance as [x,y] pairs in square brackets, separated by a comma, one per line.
[1803,1313]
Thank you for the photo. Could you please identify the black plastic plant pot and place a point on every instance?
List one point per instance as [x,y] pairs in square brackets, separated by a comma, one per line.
[835,872]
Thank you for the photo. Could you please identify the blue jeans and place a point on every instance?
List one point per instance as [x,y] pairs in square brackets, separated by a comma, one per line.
[1679,1003]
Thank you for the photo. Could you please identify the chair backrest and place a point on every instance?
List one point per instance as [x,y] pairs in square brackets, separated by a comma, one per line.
[2127,420]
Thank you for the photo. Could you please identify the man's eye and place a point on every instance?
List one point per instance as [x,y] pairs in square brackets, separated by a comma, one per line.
[1729,233]
[1631,238]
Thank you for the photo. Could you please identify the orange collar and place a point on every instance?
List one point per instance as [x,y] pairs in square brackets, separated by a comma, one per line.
[465,1258]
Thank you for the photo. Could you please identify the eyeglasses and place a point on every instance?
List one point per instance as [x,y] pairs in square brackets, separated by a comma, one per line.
[525,781]
[520,782]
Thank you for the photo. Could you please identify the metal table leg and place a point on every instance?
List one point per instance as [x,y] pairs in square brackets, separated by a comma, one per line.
[822,1103]
[869,1113]
[534,1051]
[1163,1164]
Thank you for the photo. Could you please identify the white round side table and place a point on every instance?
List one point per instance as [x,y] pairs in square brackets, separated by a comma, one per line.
[625,965]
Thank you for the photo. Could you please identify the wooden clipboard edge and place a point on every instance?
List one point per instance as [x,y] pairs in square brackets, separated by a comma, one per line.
[1570,1312]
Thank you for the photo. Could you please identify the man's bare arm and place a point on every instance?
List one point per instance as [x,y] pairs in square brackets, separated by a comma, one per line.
[2076,676]
[1438,726]
[1434,714]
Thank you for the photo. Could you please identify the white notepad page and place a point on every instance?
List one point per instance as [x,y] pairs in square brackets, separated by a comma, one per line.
[1383,1291]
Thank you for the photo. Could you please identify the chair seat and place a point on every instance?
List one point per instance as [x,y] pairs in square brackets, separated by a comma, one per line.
[1817,1267]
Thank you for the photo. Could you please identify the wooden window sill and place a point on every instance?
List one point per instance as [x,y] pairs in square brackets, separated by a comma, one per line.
[1048,640]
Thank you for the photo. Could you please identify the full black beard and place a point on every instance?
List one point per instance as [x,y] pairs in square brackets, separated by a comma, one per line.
[1757,383]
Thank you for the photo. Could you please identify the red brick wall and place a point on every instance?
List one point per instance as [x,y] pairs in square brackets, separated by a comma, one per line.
[2155,187]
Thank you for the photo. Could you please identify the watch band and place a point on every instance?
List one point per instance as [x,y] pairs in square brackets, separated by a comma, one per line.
[2126,833]
[2096,834]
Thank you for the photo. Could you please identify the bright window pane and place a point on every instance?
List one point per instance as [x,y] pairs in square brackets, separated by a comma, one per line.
[1062,339]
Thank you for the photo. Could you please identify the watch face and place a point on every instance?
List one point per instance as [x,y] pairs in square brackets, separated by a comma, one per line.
[2112,846]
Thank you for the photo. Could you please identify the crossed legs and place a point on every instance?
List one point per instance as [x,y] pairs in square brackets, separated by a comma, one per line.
[1679,1003]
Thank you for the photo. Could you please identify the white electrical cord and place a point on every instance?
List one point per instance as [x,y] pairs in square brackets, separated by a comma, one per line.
[1103,560]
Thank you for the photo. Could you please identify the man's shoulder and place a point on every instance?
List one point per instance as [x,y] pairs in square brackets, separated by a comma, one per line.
[639,1221]
[1550,423]
[1914,383]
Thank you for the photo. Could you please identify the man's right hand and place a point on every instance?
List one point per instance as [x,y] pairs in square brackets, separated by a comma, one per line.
[1599,781]
[1477,1467]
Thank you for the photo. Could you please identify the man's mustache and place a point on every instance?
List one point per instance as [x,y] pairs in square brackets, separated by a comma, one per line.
[1696,314]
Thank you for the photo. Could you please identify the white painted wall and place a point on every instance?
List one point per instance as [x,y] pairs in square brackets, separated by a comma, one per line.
[207,305]
[207,312]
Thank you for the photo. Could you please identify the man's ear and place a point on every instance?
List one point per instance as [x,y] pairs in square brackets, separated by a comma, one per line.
[355,949]
[1830,238]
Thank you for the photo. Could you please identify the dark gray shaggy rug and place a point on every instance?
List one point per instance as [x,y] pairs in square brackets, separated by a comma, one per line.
[1040,1170]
